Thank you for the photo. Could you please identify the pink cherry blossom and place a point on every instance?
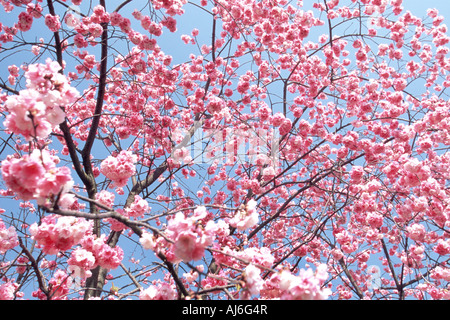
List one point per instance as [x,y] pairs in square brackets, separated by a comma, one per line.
[190,239]
[148,241]
[188,247]
[160,291]
[258,256]
[22,176]
[81,262]
[56,234]
[305,286]
[36,176]
[416,232]
[60,284]
[25,21]
[106,198]
[108,257]
[120,168]
[37,109]
[27,115]
[138,208]
[52,22]
[253,280]
[8,238]
[105,256]
[270,150]
[245,218]
[8,290]
[442,247]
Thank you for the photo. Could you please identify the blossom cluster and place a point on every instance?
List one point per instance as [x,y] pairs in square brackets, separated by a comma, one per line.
[7,290]
[159,291]
[34,113]
[59,286]
[55,234]
[245,218]
[120,168]
[189,236]
[8,237]
[105,256]
[36,176]
[37,110]
[307,285]
[358,171]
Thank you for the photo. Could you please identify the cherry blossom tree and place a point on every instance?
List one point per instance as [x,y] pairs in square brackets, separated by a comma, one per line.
[217,149]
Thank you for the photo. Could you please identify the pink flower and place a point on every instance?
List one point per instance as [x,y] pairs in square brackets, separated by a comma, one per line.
[268,172]
[7,290]
[81,262]
[20,2]
[54,181]
[278,119]
[442,247]
[413,165]
[441,273]
[285,127]
[60,284]
[400,84]
[71,20]
[8,238]
[161,291]
[105,256]
[356,174]
[337,254]
[56,234]
[170,23]
[119,169]
[25,21]
[80,41]
[189,236]
[190,276]
[147,241]
[374,219]
[253,280]
[258,256]
[215,105]
[36,176]
[106,198]
[305,286]
[187,247]
[245,218]
[27,115]
[52,22]
[138,208]
[416,232]
[22,175]
[37,109]
[108,257]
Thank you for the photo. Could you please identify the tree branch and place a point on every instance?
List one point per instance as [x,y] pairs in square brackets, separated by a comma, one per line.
[35,266]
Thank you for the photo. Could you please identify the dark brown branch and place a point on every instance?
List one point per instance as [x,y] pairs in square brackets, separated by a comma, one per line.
[9,89]
[174,274]
[63,126]
[352,280]
[35,266]
[97,280]
[58,46]
[86,152]
[133,225]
